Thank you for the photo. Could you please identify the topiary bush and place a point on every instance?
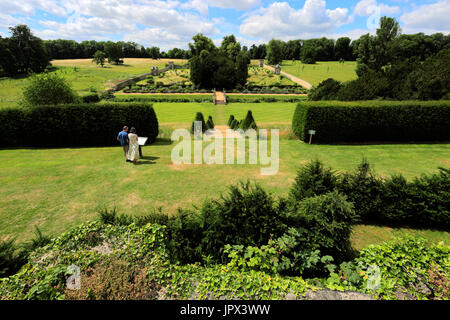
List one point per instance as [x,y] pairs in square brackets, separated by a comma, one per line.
[199,117]
[210,123]
[230,120]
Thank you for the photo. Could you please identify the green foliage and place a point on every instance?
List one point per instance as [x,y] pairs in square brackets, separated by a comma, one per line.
[199,117]
[248,121]
[22,53]
[289,254]
[423,202]
[48,89]
[326,90]
[328,219]
[68,125]
[405,268]
[364,190]
[114,52]
[11,258]
[91,98]
[99,58]
[313,179]
[210,123]
[230,120]
[372,121]
[247,215]
[274,52]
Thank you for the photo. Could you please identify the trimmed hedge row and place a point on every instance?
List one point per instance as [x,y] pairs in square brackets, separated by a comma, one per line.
[366,121]
[75,124]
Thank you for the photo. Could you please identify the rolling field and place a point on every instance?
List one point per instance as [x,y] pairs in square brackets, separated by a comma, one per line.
[316,73]
[84,76]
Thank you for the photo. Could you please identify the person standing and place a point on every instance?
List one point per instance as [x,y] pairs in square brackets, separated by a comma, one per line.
[122,137]
[133,151]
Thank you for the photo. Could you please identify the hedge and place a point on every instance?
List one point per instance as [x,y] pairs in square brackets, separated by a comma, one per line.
[75,124]
[366,121]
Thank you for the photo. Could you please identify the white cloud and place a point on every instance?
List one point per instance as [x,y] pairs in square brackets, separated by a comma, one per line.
[282,21]
[430,18]
[198,5]
[235,4]
[368,7]
[28,7]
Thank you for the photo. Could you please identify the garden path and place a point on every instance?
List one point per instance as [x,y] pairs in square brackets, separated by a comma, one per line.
[301,82]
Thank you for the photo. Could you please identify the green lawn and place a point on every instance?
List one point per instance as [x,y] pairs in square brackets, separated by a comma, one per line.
[316,73]
[57,189]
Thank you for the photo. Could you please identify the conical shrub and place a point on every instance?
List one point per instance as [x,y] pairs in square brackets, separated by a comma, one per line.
[210,123]
[199,117]
[230,120]
[247,122]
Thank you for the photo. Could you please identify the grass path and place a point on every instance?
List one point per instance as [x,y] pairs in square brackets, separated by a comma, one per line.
[297,80]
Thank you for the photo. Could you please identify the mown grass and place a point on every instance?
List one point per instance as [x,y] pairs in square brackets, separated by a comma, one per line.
[57,189]
[322,70]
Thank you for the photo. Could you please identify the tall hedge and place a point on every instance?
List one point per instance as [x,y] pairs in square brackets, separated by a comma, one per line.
[75,124]
[369,121]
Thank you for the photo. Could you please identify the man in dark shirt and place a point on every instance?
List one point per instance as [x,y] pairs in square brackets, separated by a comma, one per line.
[123,139]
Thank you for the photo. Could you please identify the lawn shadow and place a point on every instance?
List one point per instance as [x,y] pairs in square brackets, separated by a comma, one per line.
[149,158]
[162,142]
[140,163]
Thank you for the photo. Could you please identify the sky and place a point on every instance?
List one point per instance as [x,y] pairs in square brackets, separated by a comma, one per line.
[172,23]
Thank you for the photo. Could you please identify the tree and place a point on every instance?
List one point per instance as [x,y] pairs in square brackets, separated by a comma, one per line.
[22,53]
[308,55]
[274,52]
[48,89]
[201,43]
[99,58]
[342,49]
[114,52]
[230,47]
[212,68]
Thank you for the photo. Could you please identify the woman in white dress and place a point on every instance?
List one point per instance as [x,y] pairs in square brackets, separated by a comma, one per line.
[133,151]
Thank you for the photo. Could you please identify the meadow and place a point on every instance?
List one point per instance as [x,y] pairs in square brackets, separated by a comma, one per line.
[84,76]
[322,70]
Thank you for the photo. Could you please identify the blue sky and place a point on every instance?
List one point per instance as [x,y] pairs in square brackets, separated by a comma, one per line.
[172,23]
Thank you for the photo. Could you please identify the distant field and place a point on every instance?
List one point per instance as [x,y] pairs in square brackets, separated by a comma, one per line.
[316,73]
[84,76]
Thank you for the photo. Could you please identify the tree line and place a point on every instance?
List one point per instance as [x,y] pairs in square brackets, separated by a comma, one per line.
[394,66]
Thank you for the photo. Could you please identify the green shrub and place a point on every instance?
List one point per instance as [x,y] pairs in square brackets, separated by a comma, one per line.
[75,125]
[48,89]
[313,179]
[326,90]
[91,98]
[230,120]
[210,123]
[11,258]
[247,216]
[328,219]
[199,117]
[365,190]
[247,122]
[373,121]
